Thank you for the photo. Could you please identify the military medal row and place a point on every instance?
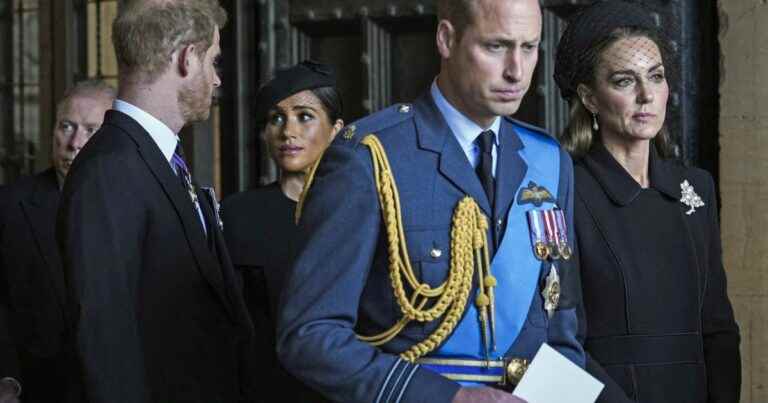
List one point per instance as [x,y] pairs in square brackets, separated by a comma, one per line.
[549,238]
[549,234]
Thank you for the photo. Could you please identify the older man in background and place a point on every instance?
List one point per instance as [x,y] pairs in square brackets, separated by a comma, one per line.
[32,292]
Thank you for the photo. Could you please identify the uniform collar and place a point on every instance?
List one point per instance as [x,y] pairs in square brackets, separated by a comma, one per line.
[619,185]
[464,129]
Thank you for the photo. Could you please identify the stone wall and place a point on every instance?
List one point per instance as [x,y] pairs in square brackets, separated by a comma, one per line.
[744,180]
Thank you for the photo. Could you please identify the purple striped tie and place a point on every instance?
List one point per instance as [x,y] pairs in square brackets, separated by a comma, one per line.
[183,172]
[186,180]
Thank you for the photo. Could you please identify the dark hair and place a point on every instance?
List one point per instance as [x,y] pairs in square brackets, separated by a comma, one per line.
[578,137]
[331,100]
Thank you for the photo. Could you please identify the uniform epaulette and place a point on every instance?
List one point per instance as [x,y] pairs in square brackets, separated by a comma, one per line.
[354,133]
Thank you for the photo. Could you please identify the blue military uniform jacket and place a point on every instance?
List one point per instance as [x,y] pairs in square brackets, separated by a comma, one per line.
[340,286]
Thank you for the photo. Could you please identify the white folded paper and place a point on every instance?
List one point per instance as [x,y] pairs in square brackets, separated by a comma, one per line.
[552,378]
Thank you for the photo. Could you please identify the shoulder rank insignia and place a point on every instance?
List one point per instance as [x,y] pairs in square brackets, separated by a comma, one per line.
[690,198]
[534,194]
[349,132]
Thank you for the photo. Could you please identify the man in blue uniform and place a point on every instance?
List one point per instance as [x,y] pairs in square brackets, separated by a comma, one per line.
[435,246]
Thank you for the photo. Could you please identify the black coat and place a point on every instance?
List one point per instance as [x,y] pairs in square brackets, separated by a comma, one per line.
[660,327]
[35,285]
[157,313]
[260,231]
[9,357]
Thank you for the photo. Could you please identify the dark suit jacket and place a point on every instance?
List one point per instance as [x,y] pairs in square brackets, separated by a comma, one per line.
[157,315]
[9,359]
[35,286]
[30,258]
[660,327]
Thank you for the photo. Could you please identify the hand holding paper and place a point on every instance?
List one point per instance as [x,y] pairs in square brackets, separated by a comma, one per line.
[552,378]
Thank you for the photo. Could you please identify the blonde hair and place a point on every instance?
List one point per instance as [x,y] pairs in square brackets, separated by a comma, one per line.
[578,136]
[146,32]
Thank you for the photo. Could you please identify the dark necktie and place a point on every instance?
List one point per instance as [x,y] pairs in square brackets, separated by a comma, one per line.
[182,171]
[484,167]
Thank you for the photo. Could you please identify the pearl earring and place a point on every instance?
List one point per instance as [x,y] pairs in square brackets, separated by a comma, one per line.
[595,126]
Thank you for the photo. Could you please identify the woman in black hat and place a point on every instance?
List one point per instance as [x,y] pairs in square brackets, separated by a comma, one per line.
[299,111]
[660,327]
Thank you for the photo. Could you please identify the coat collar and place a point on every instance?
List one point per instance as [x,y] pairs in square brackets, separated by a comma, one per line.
[435,135]
[619,185]
[46,190]
[510,168]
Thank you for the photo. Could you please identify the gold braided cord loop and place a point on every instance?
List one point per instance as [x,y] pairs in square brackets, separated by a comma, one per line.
[305,190]
[469,249]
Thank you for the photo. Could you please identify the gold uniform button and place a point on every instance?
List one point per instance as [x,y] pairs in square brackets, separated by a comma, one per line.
[516,369]
[435,253]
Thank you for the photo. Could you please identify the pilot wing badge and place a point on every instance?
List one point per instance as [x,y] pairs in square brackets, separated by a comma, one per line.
[534,194]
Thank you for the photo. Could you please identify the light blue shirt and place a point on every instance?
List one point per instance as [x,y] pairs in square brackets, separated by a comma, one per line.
[160,133]
[464,129]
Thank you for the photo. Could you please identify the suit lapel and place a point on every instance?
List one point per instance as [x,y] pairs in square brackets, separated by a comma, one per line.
[40,211]
[510,168]
[217,244]
[435,135]
[161,169]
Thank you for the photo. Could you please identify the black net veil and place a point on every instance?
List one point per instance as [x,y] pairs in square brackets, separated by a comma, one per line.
[590,38]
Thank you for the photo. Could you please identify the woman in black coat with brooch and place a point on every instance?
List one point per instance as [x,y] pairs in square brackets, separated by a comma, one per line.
[660,327]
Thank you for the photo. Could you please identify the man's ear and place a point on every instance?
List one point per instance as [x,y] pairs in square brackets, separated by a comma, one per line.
[587,97]
[186,56]
[446,38]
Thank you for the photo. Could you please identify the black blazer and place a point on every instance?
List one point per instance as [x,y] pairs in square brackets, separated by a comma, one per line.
[34,282]
[9,359]
[30,258]
[157,314]
[660,327]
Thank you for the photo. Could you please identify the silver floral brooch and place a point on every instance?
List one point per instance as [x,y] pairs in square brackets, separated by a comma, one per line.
[690,198]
